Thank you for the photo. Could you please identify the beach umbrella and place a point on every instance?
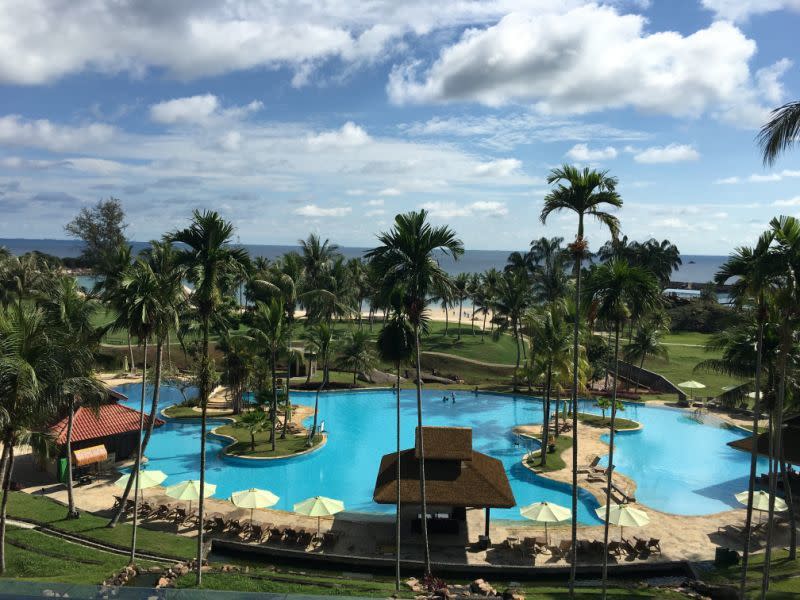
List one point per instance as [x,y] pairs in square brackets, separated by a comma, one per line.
[253,498]
[761,502]
[624,515]
[319,506]
[147,479]
[190,490]
[692,385]
[545,512]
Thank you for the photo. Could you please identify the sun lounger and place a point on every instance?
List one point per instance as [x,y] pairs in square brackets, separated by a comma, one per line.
[304,539]
[615,548]
[289,536]
[588,468]
[256,533]
[563,550]
[117,502]
[164,511]
[329,539]
[641,546]
[648,546]
[629,549]
[276,534]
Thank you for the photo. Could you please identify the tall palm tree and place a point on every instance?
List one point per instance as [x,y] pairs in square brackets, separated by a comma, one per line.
[406,257]
[396,346]
[610,289]
[786,295]
[153,299]
[319,339]
[443,295]
[28,363]
[753,271]
[587,193]
[356,353]
[69,313]
[209,260]
[461,293]
[111,271]
[781,132]
[512,300]
[551,341]
[269,332]
[645,344]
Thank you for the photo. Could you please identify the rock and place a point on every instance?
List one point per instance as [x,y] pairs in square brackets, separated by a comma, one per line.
[163,582]
[513,594]
[205,569]
[155,569]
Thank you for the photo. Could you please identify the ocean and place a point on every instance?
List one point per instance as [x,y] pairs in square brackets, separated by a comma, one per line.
[695,268]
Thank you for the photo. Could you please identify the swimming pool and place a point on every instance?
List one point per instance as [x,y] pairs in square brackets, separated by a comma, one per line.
[361,427]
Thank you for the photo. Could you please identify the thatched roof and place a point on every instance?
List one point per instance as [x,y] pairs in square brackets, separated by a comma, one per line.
[445,443]
[459,476]
[791,441]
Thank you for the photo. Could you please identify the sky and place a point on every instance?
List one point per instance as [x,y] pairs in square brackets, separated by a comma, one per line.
[293,116]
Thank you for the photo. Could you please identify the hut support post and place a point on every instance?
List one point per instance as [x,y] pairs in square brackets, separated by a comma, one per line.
[486,531]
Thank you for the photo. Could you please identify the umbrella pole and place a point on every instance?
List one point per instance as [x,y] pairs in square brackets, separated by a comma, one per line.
[546,538]
[317,526]
[251,517]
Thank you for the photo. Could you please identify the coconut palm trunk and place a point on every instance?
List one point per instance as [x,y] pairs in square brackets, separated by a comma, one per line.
[8,452]
[792,518]
[460,312]
[137,465]
[274,402]
[288,402]
[132,368]
[751,484]
[546,415]
[71,512]
[573,570]
[420,441]
[397,510]
[205,383]
[610,468]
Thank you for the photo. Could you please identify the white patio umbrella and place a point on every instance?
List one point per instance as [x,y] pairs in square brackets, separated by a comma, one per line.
[147,479]
[318,506]
[761,502]
[692,385]
[189,490]
[624,515]
[545,512]
[253,498]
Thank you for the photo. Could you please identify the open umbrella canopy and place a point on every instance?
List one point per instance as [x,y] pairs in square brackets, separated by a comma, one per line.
[147,479]
[624,515]
[254,498]
[545,512]
[190,490]
[319,506]
[761,501]
[692,385]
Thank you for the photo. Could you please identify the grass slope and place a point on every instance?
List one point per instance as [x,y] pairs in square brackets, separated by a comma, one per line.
[47,512]
[599,421]
[293,444]
[34,556]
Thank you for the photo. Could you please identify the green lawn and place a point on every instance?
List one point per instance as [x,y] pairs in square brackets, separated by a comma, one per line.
[784,573]
[44,511]
[502,351]
[554,460]
[34,556]
[599,421]
[293,444]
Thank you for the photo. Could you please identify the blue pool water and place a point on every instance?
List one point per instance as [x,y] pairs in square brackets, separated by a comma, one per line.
[681,466]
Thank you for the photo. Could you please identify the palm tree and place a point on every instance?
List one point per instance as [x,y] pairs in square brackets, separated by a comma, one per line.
[153,298]
[269,332]
[406,257]
[460,293]
[237,364]
[69,313]
[319,339]
[111,271]
[586,193]
[786,295]
[781,132]
[512,300]
[255,421]
[753,270]
[356,353]
[551,342]
[396,345]
[209,260]
[444,296]
[28,363]
[645,344]
[610,290]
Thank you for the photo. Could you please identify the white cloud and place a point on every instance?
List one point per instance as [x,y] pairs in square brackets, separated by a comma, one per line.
[376,202]
[198,110]
[375,212]
[231,141]
[582,153]
[502,167]
[449,210]
[348,135]
[551,60]
[740,10]
[667,154]
[759,177]
[315,212]
[390,192]
[43,40]
[789,202]
[42,133]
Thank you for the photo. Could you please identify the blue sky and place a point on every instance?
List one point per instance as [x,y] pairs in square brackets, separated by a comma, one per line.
[290,117]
